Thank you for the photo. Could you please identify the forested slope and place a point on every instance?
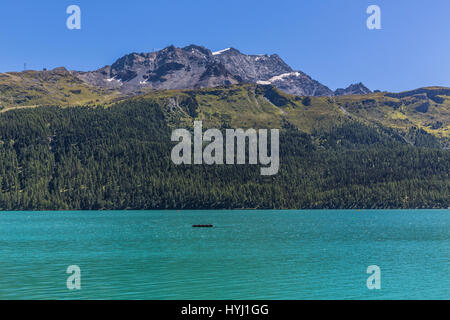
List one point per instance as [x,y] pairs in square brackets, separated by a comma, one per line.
[118,157]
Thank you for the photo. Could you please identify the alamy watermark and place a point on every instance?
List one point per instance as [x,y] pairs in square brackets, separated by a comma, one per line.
[74,280]
[236,143]
[374,281]
[74,20]
[374,20]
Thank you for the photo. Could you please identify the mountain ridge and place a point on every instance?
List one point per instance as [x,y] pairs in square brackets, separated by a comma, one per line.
[196,67]
[425,109]
[223,73]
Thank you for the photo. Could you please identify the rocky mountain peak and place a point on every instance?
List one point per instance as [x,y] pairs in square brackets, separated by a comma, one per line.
[198,67]
[357,88]
[198,49]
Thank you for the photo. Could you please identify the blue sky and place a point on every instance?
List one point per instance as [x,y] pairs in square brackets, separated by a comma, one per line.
[328,39]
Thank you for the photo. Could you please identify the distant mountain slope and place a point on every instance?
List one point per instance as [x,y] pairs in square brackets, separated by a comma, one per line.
[264,106]
[425,109]
[56,87]
[418,114]
[196,67]
[358,88]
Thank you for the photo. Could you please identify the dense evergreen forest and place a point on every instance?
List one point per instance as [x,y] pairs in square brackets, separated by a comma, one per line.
[93,158]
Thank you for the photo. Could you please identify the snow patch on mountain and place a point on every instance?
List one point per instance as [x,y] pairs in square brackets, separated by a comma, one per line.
[279,78]
[284,75]
[221,51]
[113,79]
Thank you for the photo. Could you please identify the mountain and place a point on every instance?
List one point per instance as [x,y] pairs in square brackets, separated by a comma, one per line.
[270,70]
[171,68]
[420,113]
[370,151]
[191,67]
[345,149]
[195,67]
[357,88]
[252,68]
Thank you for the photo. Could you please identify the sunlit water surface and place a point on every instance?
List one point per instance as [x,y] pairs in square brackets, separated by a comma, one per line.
[248,255]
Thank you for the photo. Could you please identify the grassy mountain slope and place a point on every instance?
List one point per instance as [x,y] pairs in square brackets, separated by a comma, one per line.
[411,114]
[415,116]
[427,109]
[42,88]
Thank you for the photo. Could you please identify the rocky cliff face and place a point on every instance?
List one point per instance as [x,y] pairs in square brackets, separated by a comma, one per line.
[357,88]
[196,67]
[271,70]
[252,68]
[171,68]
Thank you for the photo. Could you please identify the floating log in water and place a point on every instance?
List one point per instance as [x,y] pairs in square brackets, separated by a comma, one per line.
[202,226]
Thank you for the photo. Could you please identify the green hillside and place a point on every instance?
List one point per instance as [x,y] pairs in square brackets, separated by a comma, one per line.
[415,116]
[57,87]
[425,110]
[347,152]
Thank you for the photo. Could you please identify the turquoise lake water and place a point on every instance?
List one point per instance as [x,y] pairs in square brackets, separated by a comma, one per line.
[318,254]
